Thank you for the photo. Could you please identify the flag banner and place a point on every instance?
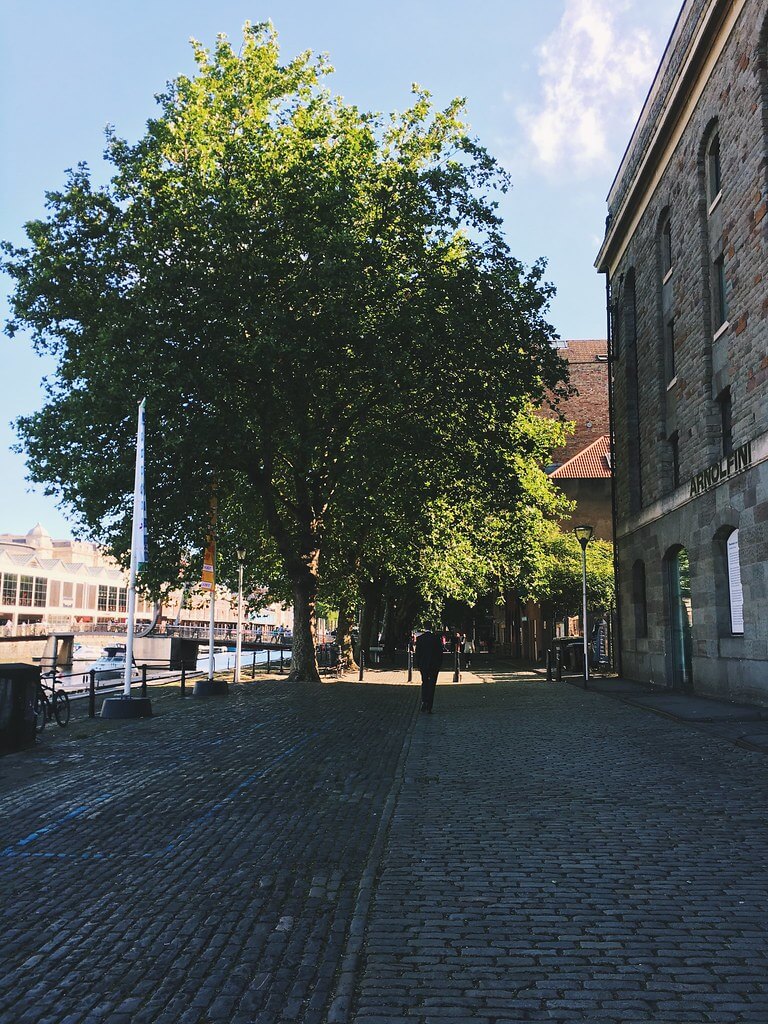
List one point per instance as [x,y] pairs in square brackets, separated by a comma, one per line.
[139,541]
[208,579]
[209,563]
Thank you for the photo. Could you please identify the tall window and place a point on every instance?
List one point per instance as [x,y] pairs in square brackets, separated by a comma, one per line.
[639,599]
[26,591]
[102,603]
[10,587]
[726,420]
[735,595]
[720,293]
[674,451]
[41,591]
[669,349]
[634,446]
[714,180]
[666,246]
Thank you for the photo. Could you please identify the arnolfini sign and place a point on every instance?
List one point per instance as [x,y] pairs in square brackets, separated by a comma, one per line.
[739,459]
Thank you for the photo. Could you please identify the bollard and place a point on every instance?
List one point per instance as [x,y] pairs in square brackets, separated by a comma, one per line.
[183,680]
[549,666]
[280,670]
[269,658]
[361,677]
[456,667]
[92,693]
[410,666]
[143,680]
[253,665]
[559,665]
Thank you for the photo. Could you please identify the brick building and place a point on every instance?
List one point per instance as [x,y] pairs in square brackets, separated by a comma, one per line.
[685,254]
[582,470]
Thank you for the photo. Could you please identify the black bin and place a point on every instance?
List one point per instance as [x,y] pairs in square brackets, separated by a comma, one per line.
[183,653]
[18,686]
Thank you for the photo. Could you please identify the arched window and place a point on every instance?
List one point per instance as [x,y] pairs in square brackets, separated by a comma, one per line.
[735,595]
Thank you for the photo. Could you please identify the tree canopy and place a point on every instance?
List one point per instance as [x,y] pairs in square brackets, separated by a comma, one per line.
[321,308]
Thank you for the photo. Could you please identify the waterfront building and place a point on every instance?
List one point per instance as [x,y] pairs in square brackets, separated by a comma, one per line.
[686,256]
[70,585]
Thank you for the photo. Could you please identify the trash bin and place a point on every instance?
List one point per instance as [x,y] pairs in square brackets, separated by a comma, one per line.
[18,685]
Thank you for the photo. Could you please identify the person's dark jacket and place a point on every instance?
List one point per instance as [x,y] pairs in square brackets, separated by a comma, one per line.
[429,651]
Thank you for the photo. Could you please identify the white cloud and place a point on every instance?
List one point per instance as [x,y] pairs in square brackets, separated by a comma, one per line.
[595,70]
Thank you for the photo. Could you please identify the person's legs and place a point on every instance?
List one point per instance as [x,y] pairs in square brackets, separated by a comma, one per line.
[431,683]
[425,691]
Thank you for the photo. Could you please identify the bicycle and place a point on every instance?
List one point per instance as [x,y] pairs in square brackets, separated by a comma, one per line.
[49,707]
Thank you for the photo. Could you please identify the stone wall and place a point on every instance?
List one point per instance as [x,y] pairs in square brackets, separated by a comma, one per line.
[734,104]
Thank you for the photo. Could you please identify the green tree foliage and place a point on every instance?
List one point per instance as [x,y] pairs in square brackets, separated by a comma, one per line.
[555,579]
[304,292]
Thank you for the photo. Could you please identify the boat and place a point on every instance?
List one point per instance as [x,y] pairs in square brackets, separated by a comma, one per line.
[111,664]
[204,651]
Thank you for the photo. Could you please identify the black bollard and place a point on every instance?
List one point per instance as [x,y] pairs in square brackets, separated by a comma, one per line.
[253,665]
[143,680]
[559,665]
[361,677]
[549,666]
[92,693]
[280,670]
[183,680]
[456,667]
[410,666]
[269,655]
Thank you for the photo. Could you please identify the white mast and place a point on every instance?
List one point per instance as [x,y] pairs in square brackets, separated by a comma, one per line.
[138,547]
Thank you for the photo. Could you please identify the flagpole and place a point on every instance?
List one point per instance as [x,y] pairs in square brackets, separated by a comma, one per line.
[212,626]
[127,706]
[137,548]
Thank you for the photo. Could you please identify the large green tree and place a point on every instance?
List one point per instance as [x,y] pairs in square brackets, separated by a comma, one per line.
[292,283]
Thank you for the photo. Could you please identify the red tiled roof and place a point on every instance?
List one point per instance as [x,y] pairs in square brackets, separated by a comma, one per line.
[591,463]
[586,351]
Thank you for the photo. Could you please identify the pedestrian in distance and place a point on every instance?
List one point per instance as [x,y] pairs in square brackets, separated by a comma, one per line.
[469,650]
[428,657]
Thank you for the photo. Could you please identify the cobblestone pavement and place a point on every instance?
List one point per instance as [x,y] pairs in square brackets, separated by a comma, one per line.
[530,852]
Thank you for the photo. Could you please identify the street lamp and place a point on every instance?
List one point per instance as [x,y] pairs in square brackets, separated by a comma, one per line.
[239,643]
[584,536]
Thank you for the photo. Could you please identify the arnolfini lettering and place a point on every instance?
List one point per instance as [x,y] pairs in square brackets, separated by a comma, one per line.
[739,459]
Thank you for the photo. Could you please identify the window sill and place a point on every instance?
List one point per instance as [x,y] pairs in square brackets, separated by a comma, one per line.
[715,202]
[721,330]
[667,276]
[672,383]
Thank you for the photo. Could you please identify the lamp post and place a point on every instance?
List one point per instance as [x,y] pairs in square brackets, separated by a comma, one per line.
[239,641]
[584,536]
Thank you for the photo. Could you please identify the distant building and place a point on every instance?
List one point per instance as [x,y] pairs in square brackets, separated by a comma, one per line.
[582,470]
[69,584]
[686,255]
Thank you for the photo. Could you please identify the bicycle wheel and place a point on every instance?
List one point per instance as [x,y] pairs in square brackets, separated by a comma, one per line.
[61,707]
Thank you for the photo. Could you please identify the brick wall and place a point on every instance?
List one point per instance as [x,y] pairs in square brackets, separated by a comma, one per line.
[588,408]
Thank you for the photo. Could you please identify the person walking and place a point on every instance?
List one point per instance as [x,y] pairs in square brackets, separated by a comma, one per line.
[428,657]
[469,650]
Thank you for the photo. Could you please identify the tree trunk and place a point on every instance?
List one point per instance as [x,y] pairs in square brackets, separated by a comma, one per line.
[304,656]
[344,636]
[389,634]
[371,592]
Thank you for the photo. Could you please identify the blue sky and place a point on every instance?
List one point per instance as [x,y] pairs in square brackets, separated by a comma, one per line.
[552,88]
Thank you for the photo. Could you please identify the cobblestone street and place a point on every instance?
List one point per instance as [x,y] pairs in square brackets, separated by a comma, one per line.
[530,852]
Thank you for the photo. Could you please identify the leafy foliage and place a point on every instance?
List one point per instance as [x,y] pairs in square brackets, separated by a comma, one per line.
[323,314]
